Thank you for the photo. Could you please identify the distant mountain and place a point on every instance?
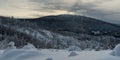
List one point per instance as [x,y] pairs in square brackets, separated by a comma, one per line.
[77,24]
[59,32]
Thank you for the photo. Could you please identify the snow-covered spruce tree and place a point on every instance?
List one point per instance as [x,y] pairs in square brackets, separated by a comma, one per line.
[3,44]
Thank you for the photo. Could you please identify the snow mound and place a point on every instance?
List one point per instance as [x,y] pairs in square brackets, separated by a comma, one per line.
[49,59]
[116,51]
[47,54]
[73,54]
[29,46]
[74,48]
[20,54]
[11,45]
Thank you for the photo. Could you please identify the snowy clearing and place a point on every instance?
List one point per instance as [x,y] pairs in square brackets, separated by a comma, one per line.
[52,54]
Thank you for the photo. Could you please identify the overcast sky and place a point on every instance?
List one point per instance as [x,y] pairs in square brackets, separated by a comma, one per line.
[108,10]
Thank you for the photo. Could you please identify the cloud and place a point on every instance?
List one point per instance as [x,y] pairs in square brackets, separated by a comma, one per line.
[107,10]
[17,8]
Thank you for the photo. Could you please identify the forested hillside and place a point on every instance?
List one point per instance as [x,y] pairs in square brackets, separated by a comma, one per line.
[59,32]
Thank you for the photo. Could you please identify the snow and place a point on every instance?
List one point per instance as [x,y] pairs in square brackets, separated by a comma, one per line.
[19,54]
[29,46]
[11,45]
[116,51]
[29,52]
[73,54]
[52,54]
[48,33]
[74,48]
[49,59]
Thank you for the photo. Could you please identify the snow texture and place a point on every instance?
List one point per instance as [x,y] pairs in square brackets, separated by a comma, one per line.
[73,54]
[74,48]
[19,54]
[51,54]
[11,45]
[29,46]
[116,51]
[49,59]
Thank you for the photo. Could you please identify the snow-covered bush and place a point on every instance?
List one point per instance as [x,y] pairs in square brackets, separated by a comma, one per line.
[3,44]
[73,54]
[29,46]
[116,51]
[10,46]
[49,59]
[74,48]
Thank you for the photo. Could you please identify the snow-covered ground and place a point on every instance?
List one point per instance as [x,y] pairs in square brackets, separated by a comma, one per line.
[29,52]
[50,54]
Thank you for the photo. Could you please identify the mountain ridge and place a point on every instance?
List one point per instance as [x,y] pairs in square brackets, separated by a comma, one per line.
[75,23]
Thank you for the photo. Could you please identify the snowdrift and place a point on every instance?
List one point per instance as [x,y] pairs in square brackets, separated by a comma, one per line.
[52,54]
[29,52]
[116,51]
